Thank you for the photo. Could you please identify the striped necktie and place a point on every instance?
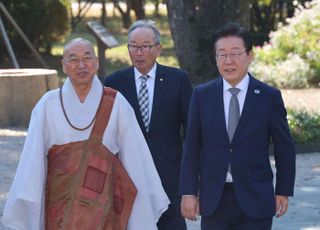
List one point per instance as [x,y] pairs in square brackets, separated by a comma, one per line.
[143,98]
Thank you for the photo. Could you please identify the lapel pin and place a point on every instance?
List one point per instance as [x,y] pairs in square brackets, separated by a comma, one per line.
[161,79]
[256,91]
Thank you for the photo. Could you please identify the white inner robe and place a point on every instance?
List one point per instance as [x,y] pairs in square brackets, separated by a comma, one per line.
[24,209]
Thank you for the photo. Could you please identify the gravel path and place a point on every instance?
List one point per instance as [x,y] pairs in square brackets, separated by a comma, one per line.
[307,99]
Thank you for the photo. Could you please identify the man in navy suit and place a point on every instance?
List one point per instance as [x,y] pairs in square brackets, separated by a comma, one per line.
[160,98]
[226,155]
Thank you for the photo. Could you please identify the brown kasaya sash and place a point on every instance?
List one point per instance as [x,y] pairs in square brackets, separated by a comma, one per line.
[87,186]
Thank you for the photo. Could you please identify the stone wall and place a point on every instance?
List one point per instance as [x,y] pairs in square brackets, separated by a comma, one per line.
[20,90]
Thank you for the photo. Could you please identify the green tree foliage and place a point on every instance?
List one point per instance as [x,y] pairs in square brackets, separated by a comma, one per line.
[304,126]
[43,22]
[291,58]
[266,14]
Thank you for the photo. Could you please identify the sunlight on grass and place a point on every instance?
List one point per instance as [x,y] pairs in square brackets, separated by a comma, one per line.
[95,10]
[171,61]
[120,53]
[118,57]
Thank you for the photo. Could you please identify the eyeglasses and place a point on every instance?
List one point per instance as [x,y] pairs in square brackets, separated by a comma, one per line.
[76,61]
[143,48]
[233,56]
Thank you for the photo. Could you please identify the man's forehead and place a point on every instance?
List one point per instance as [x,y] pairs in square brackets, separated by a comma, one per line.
[77,53]
[230,43]
[145,32]
[78,48]
[235,48]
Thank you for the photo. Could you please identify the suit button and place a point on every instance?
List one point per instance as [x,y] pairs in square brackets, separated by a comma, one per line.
[231,150]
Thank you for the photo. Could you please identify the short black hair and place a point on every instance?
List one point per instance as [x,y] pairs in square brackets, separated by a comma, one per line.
[233,29]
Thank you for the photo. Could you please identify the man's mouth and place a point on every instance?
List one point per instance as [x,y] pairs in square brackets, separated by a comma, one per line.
[82,73]
[230,70]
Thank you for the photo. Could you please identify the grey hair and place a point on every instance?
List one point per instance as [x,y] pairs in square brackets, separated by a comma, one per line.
[75,40]
[145,24]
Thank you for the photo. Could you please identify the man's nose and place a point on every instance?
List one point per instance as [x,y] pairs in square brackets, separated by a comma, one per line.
[81,63]
[139,51]
[228,59]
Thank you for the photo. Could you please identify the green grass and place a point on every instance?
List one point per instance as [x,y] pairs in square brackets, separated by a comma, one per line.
[118,57]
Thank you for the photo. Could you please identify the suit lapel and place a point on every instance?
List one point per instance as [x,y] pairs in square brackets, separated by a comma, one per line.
[219,106]
[159,90]
[133,98]
[251,99]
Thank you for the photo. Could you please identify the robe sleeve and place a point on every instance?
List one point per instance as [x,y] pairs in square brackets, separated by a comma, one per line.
[23,209]
[151,200]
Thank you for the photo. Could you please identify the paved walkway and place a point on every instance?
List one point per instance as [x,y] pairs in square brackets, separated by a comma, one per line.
[304,209]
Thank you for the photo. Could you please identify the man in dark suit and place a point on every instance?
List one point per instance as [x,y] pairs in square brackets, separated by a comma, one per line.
[160,98]
[232,121]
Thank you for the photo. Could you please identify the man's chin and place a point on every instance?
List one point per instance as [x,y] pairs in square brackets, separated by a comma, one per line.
[82,75]
[140,65]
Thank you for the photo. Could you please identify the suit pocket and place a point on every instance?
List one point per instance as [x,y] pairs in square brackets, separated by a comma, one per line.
[263,175]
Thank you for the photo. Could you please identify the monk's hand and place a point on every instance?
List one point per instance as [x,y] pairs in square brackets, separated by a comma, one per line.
[281,205]
[190,207]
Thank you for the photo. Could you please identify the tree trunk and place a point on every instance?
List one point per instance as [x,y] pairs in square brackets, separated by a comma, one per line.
[192,24]
[81,12]
[156,8]
[126,19]
[138,8]
[103,18]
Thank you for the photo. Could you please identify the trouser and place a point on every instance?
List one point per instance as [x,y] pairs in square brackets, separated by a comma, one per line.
[229,216]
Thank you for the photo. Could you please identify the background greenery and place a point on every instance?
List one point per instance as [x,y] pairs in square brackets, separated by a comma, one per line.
[304,126]
[290,59]
[43,22]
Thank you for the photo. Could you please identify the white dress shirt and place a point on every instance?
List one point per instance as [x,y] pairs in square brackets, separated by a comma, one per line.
[243,86]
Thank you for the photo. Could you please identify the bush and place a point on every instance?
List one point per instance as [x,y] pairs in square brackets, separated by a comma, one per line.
[291,59]
[43,21]
[304,126]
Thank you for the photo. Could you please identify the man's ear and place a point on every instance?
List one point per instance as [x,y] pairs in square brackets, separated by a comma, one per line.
[97,63]
[251,55]
[159,50]
[63,66]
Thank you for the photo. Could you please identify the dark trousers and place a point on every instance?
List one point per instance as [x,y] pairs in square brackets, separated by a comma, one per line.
[172,218]
[229,216]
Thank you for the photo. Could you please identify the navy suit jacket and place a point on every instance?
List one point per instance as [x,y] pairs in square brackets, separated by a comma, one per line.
[172,94]
[208,151]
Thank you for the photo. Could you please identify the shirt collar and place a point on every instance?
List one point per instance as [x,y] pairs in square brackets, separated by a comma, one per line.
[242,85]
[151,73]
[94,92]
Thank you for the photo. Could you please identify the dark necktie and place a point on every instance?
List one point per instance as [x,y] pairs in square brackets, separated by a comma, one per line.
[143,98]
[234,112]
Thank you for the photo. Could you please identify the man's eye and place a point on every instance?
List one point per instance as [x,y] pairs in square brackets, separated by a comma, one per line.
[88,58]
